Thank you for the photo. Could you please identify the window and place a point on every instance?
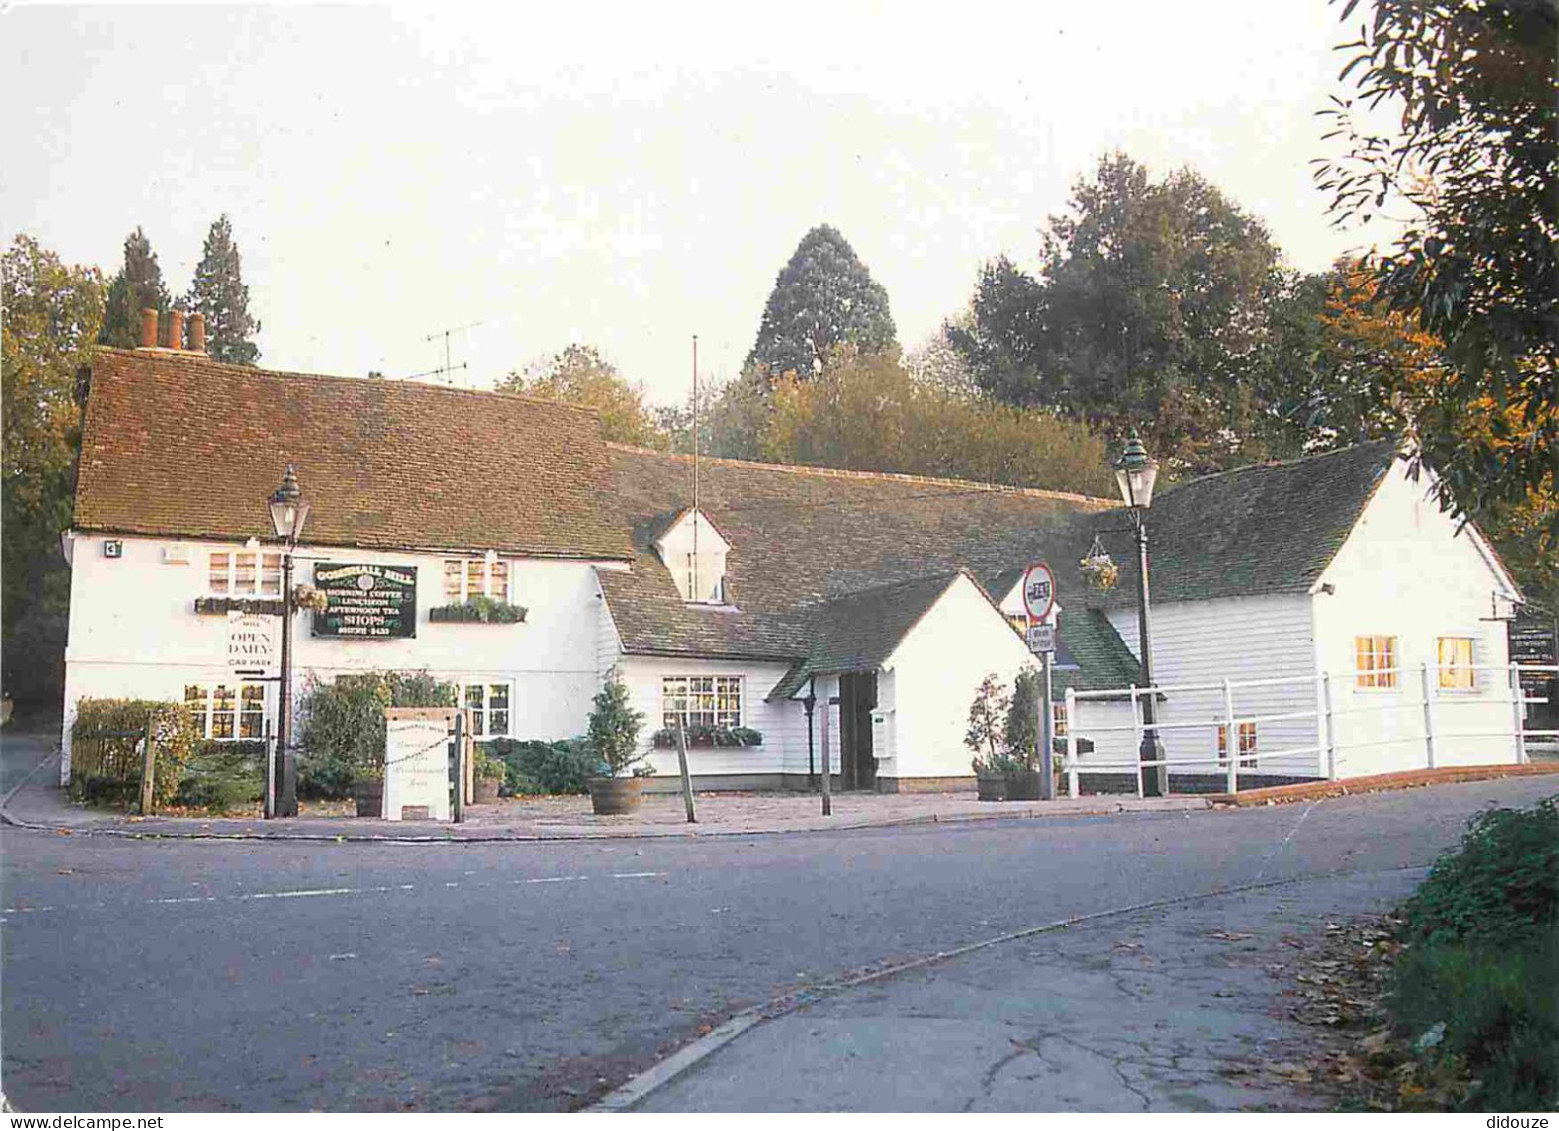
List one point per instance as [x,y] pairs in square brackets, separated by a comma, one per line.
[1059,711]
[1375,661]
[1020,622]
[706,700]
[488,704]
[245,573]
[1455,657]
[703,579]
[465,578]
[1247,745]
[228,711]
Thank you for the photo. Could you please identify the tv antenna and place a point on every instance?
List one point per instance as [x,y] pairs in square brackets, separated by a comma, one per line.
[448,367]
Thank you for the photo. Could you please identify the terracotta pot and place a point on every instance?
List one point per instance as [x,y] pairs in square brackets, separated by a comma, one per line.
[612,796]
[370,798]
[993,787]
[1022,785]
[486,791]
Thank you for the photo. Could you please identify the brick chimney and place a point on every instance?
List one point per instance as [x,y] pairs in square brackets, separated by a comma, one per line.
[175,329]
[149,328]
[197,332]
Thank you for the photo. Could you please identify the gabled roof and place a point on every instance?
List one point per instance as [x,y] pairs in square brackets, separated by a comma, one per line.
[178,445]
[1263,529]
[1103,658]
[800,536]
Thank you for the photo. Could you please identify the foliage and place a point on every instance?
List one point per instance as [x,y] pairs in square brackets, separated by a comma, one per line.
[986,733]
[1151,308]
[613,733]
[223,777]
[581,376]
[341,729]
[702,734]
[52,318]
[535,767]
[823,298]
[1021,730]
[1478,982]
[479,609]
[1475,160]
[109,769]
[488,766]
[219,293]
[136,285]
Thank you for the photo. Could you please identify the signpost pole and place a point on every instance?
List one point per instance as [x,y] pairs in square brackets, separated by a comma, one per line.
[148,770]
[687,778]
[460,766]
[827,769]
[1047,719]
[270,774]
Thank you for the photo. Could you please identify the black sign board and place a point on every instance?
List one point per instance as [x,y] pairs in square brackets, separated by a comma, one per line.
[375,602]
[1533,641]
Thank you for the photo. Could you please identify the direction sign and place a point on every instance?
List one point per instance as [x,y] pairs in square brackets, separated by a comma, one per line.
[1042,638]
[1039,591]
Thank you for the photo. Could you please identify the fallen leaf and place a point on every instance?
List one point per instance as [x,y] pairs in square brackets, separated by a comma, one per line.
[1230,936]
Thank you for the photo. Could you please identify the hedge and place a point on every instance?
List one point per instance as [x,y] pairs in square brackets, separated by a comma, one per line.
[108,770]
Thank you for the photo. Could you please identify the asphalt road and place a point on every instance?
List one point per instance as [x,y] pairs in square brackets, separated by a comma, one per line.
[169,975]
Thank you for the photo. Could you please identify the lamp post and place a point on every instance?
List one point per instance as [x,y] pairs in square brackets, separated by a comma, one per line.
[1135,473]
[289,512]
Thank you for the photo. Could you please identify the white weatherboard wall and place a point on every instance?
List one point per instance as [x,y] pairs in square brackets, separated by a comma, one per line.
[134,633]
[936,670]
[1406,572]
[1238,638]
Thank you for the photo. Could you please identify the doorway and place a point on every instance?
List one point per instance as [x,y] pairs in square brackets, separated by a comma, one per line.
[857,698]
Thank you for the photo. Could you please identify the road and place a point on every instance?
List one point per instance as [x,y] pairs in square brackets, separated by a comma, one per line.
[179,975]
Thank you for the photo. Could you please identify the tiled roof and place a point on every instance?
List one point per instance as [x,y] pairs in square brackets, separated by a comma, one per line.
[1268,528]
[1103,658]
[800,536]
[175,444]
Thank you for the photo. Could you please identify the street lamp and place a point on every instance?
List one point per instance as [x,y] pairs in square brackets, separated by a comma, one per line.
[1135,474]
[289,511]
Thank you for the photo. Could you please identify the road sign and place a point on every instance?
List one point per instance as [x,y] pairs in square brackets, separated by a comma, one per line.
[1042,638]
[1039,591]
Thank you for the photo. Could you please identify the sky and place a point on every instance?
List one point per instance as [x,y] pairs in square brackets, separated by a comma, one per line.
[630,175]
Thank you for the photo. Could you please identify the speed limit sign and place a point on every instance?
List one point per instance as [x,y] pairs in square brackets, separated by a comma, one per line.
[1039,591]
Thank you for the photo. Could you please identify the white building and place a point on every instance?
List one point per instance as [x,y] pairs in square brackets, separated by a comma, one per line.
[885,598]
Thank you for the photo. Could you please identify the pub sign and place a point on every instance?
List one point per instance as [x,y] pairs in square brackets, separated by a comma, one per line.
[375,602]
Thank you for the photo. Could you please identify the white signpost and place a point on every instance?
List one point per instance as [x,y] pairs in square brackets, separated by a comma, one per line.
[1039,601]
[251,641]
[416,762]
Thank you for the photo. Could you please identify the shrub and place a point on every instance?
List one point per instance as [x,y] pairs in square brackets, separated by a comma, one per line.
[341,729]
[985,736]
[108,770]
[223,776]
[613,733]
[1021,731]
[487,766]
[545,767]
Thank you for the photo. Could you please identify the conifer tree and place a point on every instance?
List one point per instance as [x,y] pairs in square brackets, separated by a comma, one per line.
[136,285]
[219,293]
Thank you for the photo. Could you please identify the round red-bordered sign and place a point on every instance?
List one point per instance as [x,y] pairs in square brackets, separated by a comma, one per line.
[1039,591]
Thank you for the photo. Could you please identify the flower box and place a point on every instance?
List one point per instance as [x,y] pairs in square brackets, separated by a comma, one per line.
[699,735]
[478,610]
[221,606]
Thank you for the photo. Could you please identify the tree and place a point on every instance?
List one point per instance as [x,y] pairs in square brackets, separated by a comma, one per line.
[219,293]
[136,285]
[581,376]
[1151,309]
[1476,162]
[53,315]
[824,297]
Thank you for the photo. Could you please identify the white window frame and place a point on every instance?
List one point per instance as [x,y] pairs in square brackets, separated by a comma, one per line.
[481,712]
[689,582]
[205,719]
[1449,672]
[719,688]
[1249,743]
[1377,676]
[267,578]
[487,567]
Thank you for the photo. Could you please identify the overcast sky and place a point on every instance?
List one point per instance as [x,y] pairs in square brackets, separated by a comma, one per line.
[629,175]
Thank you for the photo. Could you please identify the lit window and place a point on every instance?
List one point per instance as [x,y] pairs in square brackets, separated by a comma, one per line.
[703,700]
[1247,745]
[465,578]
[1060,720]
[1375,661]
[488,704]
[245,573]
[1456,672]
[1020,622]
[227,711]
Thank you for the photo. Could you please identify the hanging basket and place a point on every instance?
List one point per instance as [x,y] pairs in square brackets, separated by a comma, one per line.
[1099,569]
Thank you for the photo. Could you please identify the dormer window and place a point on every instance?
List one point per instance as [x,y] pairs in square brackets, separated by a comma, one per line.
[694,553]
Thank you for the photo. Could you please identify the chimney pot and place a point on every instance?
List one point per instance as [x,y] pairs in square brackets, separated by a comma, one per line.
[197,332]
[149,328]
[175,329]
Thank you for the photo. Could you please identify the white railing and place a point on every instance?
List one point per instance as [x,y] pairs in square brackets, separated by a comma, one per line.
[1333,742]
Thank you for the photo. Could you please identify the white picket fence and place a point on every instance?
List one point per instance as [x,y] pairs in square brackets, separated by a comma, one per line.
[1334,739]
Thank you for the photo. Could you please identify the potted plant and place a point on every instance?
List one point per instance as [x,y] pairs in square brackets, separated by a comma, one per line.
[984,737]
[489,774]
[368,789]
[1021,736]
[613,736]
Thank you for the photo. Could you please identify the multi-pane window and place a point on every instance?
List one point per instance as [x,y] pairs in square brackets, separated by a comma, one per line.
[1455,657]
[1060,720]
[709,700]
[488,704]
[1375,661]
[702,580]
[228,711]
[245,573]
[1247,744]
[465,578]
